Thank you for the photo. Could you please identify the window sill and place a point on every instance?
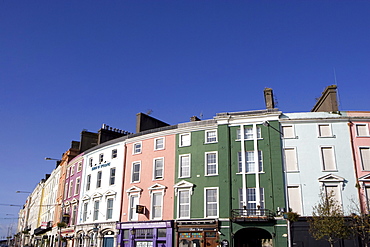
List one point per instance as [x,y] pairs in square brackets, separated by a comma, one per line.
[210,142]
[250,173]
[210,175]
[238,140]
[333,136]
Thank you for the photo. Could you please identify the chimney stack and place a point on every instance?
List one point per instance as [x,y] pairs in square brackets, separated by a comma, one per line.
[269,98]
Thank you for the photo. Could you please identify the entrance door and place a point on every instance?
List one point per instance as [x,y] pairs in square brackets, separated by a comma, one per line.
[108,242]
[253,237]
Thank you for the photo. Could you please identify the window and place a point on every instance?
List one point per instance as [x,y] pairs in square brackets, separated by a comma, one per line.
[109,214]
[67,173]
[365,158]
[91,162]
[211,136]
[248,133]
[252,203]
[88,182]
[134,200]
[135,172]
[96,210]
[158,168]
[114,153]
[367,191]
[184,167]
[211,202]
[74,214]
[288,131]
[294,197]
[112,177]
[72,170]
[84,215]
[66,191]
[159,143]
[334,189]
[70,189]
[185,140]
[98,179]
[249,161]
[77,188]
[183,204]
[101,158]
[290,159]
[362,130]
[157,198]
[328,159]
[211,164]
[325,130]
[137,148]
[79,166]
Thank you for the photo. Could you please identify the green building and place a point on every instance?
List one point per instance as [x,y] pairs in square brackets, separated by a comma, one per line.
[220,201]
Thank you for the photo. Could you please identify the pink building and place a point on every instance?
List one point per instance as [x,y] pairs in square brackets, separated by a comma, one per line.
[147,204]
[360,137]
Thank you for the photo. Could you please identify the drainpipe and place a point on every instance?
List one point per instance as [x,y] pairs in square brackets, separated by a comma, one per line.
[242,144]
[363,209]
[256,166]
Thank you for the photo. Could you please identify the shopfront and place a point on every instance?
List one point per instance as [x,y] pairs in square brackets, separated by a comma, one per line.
[145,234]
[197,233]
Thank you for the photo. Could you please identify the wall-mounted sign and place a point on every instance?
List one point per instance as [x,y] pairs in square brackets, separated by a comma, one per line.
[100,166]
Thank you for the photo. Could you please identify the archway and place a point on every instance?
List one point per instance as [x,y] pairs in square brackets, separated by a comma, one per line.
[252,237]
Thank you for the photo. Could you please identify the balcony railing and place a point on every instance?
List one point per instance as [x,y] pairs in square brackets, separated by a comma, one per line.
[238,215]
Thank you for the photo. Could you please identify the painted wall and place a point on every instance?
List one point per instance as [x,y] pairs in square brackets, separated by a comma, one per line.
[307,143]
[147,183]
[92,165]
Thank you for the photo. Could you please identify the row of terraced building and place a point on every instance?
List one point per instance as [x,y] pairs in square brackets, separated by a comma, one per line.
[227,181]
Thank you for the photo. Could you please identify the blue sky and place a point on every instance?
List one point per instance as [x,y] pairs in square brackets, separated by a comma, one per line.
[70,65]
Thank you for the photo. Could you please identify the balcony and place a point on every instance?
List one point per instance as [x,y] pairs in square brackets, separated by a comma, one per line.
[251,215]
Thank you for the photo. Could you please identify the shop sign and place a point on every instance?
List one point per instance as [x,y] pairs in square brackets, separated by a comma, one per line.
[195,229]
[100,166]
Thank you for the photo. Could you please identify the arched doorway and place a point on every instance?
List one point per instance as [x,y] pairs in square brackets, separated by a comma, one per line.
[252,237]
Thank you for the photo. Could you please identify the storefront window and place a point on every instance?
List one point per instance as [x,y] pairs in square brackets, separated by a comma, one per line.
[162,232]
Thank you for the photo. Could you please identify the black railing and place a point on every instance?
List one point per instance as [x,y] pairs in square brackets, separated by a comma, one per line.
[252,215]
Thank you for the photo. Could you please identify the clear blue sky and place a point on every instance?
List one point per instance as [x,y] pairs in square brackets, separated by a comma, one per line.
[71,65]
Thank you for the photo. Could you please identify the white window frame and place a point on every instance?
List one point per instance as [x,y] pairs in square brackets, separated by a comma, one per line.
[114,153]
[181,142]
[207,137]
[206,202]
[338,189]
[367,196]
[319,132]
[155,166]
[366,126]
[247,162]
[79,166]
[213,164]
[70,189]
[77,186]
[188,191]
[109,209]
[101,158]
[85,208]
[88,182]
[247,135]
[160,193]
[156,143]
[96,210]
[133,171]
[98,179]
[181,165]
[333,157]
[293,131]
[112,176]
[299,210]
[295,161]
[132,215]
[72,170]
[362,158]
[137,148]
